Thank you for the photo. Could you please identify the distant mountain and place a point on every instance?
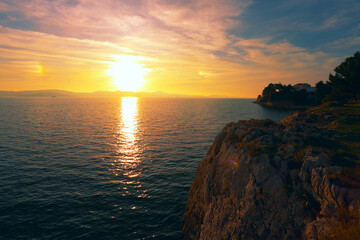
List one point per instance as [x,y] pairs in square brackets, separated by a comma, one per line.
[99,94]
[37,93]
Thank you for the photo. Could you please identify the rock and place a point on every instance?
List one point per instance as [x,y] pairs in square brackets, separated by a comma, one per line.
[258,182]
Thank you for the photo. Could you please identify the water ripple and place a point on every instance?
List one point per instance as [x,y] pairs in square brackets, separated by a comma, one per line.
[105,168]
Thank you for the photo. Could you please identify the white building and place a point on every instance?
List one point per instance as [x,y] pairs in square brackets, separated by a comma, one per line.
[301,86]
[304,86]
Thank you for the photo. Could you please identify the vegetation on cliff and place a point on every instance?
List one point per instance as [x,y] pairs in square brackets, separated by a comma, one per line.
[287,96]
[345,151]
[343,86]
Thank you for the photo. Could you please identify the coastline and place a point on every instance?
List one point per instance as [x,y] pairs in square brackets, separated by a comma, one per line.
[283,105]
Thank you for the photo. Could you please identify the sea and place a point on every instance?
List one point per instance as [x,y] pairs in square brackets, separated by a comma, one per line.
[106,168]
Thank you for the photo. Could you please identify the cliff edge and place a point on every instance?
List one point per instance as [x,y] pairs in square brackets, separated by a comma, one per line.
[293,179]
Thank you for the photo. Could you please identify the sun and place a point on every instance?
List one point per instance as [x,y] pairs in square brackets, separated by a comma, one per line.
[127,73]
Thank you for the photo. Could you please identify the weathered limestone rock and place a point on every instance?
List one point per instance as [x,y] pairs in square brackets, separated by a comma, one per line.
[262,180]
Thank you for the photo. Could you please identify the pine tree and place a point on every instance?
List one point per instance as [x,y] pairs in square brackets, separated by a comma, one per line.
[345,84]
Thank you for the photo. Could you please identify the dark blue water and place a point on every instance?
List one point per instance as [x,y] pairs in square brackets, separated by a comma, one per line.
[105,168]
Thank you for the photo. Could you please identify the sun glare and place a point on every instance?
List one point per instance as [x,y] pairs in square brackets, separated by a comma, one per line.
[127,73]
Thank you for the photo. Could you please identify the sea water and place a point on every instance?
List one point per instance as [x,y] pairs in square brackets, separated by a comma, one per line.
[115,168]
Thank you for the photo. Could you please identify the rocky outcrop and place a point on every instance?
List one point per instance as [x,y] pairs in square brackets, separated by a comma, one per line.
[267,180]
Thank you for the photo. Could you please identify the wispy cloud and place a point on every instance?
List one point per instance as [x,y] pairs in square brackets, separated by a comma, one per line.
[187,44]
[333,21]
[357,30]
[343,45]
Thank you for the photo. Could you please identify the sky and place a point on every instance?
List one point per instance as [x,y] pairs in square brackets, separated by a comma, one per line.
[230,48]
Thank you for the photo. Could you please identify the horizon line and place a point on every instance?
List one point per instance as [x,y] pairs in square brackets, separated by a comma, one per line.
[167,95]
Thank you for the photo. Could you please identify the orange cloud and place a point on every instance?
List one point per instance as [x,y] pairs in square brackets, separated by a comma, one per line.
[75,43]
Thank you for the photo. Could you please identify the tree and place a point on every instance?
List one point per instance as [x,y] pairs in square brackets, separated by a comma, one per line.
[322,91]
[268,92]
[345,84]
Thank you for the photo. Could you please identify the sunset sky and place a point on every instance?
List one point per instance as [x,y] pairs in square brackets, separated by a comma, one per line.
[202,47]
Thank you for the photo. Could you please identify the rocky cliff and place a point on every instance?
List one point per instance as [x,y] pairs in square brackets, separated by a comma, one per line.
[273,180]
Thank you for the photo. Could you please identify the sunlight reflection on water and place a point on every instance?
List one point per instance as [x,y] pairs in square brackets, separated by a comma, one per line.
[127,149]
[128,125]
[109,168]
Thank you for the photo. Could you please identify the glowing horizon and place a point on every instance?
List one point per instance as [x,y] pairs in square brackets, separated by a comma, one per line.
[227,48]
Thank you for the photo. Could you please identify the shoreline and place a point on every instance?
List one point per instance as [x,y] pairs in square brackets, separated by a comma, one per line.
[284,106]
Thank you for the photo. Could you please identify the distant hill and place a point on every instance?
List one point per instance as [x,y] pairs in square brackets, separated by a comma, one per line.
[99,94]
[37,93]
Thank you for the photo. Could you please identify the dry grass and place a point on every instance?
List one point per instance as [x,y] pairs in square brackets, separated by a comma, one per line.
[345,150]
[348,227]
[347,177]
[299,156]
[296,160]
